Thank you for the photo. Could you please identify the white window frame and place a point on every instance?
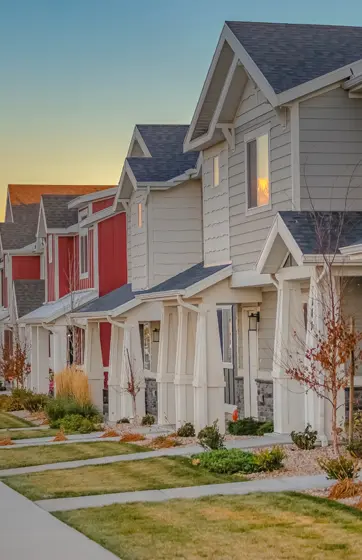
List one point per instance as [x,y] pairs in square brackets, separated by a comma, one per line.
[83,234]
[249,137]
[216,171]
[139,215]
[50,249]
[227,365]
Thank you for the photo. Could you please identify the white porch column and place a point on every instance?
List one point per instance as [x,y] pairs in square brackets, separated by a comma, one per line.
[183,379]
[93,363]
[164,378]
[132,357]
[209,380]
[114,382]
[288,395]
[33,381]
[59,350]
[42,351]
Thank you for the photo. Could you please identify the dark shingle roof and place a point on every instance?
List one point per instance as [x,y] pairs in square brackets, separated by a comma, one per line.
[162,169]
[163,139]
[110,301]
[186,278]
[21,232]
[29,294]
[290,54]
[57,213]
[323,232]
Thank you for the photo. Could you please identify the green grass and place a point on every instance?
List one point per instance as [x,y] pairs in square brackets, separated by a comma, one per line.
[254,527]
[28,434]
[43,454]
[125,476]
[8,420]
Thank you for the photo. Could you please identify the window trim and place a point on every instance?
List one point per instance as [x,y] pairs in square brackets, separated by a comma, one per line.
[228,307]
[50,248]
[249,137]
[214,159]
[83,234]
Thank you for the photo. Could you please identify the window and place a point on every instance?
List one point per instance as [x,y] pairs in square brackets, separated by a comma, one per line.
[83,253]
[50,249]
[257,157]
[225,321]
[216,171]
[140,214]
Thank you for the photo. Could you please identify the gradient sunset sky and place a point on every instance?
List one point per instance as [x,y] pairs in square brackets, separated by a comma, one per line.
[77,75]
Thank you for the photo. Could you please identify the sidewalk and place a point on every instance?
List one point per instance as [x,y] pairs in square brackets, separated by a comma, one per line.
[27,531]
[283,484]
[264,441]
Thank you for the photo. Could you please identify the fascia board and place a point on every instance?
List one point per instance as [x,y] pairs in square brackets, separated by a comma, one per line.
[267,246]
[137,136]
[41,215]
[126,170]
[351,249]
[97,195]
[208,282]
[160,296]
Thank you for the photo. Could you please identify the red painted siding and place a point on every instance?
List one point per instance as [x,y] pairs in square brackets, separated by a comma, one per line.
[102,204]
[112,253]
[50,267]
[105,336]
[67,266]
[26,267]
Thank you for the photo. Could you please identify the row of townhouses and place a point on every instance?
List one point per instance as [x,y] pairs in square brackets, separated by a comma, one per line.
[197,269]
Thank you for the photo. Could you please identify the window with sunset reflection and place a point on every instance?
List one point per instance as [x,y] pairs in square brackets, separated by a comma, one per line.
[258,171]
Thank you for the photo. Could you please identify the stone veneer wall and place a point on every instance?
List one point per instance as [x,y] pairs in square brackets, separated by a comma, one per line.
[239,396]
[265,399]
[151,396]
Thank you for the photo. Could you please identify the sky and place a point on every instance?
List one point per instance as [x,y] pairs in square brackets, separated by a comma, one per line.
[77,75]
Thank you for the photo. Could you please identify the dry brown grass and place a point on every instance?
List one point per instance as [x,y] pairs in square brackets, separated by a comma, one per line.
[109,433]
[128,437]
[163,442]
[6,441]
[346,488]
[72,382]
[60,436]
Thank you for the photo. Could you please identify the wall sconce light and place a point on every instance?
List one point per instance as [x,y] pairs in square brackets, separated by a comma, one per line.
[254,319]
[156,335]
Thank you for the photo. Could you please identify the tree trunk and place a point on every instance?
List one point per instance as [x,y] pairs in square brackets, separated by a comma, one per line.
[134,408]
[334,422]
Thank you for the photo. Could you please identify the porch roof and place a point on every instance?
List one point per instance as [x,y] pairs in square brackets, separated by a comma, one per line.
[29,295]
[109,304]
[53,310]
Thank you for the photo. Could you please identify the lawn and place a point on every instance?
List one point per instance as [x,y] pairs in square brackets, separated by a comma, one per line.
[126,476]
[8,420]
[28,434]
[253,527]
[43,454]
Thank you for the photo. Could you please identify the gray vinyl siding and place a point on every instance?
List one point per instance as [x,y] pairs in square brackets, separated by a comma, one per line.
[129,245]
[174,230]
[266,333]
[248,233]
[216,207]
[139,243]
[331,151]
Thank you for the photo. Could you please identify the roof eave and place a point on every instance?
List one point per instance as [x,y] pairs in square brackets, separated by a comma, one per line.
[97,195]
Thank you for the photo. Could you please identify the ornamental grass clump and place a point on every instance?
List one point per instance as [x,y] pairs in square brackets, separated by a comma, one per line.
[347,488]
[59,407]
[130,437]
[73,383]
[109,433]
[6,441]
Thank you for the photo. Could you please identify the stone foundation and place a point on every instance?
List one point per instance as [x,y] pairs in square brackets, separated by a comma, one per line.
[239,396]
[265,399]
[151,396]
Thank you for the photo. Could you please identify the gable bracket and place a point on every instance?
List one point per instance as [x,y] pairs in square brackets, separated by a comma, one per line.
[228,131]
[282,115]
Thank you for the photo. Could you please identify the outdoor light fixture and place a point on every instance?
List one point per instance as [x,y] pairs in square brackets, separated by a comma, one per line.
[254,319]
[156,335]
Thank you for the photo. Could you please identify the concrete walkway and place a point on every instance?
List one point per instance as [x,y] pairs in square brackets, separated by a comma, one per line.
[282,484]
[264,441]
[27,531]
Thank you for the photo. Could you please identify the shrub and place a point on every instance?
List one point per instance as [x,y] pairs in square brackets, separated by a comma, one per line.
[124,421]
[75,423]
[340,468]
[186,430]
[250,427]
[59,407]
[72,383]
[306,439]
[129,437]
[33,402]
[269,459]
[86,426]
[5,402]
[148,420]
[227,461]
[355,448]
[210,437]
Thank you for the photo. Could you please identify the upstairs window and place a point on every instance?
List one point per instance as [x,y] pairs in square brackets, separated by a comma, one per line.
[216,171]
[50,249]
[257,169]
[225,321]
[83,253]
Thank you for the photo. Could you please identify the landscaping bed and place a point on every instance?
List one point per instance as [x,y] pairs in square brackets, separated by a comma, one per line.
[11,457]
[8,420]
[253,527]
[125,476]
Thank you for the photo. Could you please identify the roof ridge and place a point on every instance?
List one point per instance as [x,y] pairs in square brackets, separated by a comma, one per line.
[290,24]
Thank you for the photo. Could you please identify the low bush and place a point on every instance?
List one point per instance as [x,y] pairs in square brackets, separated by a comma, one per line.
[124,421]
[148,420]
[306,439]
[355,448]
[34,402]
[59,407]
[186,430]
[74,423]
[87,426]
[250,427]
[9,403]
[226,461]
[129,437]
[340,468]
[269,460]
[211,438]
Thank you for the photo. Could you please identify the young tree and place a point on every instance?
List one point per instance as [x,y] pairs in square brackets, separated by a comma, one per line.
[133,385]
[14,365]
